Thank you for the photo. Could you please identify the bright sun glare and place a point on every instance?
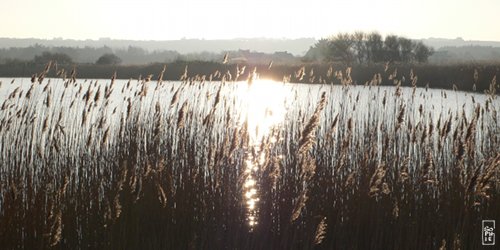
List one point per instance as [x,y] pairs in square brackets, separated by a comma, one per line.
[264,103]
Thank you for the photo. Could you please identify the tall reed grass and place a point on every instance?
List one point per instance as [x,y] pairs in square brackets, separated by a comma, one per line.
[142,164]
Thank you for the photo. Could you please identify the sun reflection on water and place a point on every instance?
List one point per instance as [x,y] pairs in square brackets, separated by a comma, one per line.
[264,108]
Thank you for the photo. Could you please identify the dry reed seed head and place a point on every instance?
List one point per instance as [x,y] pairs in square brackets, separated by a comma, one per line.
[308,134]
[398,91]
[424,135]
[299,205]
[182,114]
[428,169]
[351,179]
[471,130]
[320,233]
[414,81]
[492,167]
[160,76]
[329,73]
[56,229]
[482,184]
[493,88]
[162,197]
[376,185]
[334,123]
[400,117]
[443,245]
[385,188]
[459,150]
[395,210]
[117,207]
[175,97]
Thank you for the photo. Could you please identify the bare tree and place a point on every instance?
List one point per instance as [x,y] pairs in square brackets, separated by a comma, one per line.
[406,49]
[360,46]
[391,48]
[108,59]
[422,52]
[342,47]
[374,45]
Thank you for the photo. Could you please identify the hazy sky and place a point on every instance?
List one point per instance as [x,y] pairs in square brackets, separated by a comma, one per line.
[166,20]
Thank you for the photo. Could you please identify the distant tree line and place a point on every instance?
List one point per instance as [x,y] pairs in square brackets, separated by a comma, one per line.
[127,55]
[65,60]
[45,57]
[361,48]
[132,56]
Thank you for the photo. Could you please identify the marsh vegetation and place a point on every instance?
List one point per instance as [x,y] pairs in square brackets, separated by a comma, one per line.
[199,163]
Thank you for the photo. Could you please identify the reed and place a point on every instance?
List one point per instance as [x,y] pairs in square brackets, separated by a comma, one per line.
[163,165]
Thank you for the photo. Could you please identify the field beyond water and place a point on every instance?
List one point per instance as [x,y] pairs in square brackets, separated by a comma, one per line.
[129,164]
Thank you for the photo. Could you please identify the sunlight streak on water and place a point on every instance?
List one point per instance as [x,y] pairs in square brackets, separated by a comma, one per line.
[264,103]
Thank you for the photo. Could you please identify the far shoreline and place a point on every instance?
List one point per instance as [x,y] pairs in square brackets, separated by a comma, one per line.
[447,76]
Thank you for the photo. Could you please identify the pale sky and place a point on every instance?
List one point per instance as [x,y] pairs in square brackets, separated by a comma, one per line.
[224,19]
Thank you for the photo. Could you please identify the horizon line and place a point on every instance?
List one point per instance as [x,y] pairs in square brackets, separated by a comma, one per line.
[219,39]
